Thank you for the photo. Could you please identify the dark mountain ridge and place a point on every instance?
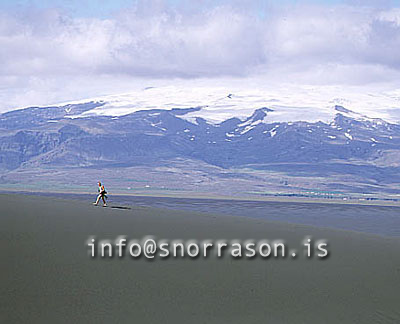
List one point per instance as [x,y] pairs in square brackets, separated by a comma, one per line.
[52,137]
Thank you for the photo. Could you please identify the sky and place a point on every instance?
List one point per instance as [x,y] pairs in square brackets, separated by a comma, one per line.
[57,51]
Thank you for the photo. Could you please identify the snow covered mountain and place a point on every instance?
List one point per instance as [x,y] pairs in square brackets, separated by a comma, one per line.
[350,145]
[217,104]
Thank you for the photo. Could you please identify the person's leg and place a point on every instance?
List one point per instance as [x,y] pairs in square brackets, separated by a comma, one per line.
[104,201]
[97,200]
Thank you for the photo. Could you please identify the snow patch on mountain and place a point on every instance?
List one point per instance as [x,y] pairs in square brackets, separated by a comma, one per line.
[357,116]
[247,129]
[348,136]
[273,131]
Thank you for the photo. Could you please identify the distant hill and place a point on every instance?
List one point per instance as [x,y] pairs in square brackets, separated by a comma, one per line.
[351,153]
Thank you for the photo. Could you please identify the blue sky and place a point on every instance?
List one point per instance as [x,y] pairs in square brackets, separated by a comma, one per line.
[106,8]
[83,8]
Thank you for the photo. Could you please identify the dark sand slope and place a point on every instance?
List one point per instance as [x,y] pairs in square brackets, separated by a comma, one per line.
[47,276]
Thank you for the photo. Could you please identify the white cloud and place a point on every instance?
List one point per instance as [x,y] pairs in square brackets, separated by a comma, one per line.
[48,56]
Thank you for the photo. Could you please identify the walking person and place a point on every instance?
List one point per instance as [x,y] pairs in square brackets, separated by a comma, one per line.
[102,194]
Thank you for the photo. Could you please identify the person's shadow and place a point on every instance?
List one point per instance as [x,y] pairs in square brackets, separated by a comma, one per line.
[119,207]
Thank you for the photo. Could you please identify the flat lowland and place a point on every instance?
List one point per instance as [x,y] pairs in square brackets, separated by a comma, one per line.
[47,275]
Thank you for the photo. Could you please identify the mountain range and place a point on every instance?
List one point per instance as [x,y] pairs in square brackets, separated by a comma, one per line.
[69,146]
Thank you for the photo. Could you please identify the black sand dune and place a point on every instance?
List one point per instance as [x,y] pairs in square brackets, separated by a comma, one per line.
[48,277]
